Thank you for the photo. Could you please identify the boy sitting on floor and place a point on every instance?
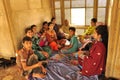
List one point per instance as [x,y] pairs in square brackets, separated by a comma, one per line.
[73,47]
[27,61]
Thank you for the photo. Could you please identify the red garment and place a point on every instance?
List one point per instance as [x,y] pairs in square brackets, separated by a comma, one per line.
[52,42]
[54,46]
[94,64]
[50,38]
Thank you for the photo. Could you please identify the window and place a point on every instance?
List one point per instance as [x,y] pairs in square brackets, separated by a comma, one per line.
[101,10]
[78,16]
[58,11]
[80,12]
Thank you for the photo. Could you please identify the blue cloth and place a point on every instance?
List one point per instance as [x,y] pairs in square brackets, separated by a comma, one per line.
[61,70]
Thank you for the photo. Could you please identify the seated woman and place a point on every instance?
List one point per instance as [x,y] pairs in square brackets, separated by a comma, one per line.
[43,39]
[52,37]
[28,62]
[37,50]
[73,47]
[94,63]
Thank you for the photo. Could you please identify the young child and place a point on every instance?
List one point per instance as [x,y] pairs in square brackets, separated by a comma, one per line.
[34,29]
[73,47]
[43,40]
[52,37]
[91,28]
[35,47]
[28,62]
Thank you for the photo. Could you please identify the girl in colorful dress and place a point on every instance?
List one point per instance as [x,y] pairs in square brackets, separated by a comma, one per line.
[52,37]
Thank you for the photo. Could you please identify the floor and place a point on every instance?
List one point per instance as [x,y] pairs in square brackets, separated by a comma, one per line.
[10,73]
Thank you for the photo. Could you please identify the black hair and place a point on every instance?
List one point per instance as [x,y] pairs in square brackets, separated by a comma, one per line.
[103,31]
[94,20]
[27,29]
[42,31]
[45,22]
[26,38]
[52,19]
[49,23]
[32,26]
[72,28]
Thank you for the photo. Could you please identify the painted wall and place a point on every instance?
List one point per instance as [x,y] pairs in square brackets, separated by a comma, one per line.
[15,16]
[6,44]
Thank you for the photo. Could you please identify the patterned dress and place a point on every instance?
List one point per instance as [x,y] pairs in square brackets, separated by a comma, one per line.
[94,64]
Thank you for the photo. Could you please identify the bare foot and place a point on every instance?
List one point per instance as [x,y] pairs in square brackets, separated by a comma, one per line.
[74,62]
[39,75]
[79,72]
[26,77]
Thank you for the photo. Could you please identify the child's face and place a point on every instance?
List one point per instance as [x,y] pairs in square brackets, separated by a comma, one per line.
[96,36]
[27,45]
[71,33]
[51,26]
[29,33]
[34,29]
[93,24]
[54,21]
[45,26]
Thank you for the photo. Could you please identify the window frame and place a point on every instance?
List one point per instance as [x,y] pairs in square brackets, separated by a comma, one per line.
[95,10]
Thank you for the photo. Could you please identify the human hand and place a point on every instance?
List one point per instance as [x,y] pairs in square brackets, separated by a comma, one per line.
[44,71]
[39,64]
[74,62]
[45,54]
[80,52]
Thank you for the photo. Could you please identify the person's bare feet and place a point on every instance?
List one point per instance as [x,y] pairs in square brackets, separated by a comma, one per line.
[38,75]
[26,77]
[74,62]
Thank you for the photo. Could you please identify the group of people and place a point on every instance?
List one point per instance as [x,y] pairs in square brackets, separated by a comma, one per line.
[46,56]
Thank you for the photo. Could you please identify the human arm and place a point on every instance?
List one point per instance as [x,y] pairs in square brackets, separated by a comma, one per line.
[55,35]
[43,70]
[72,42]
[68,46]
[89,30]
[45,54]
[25,67]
